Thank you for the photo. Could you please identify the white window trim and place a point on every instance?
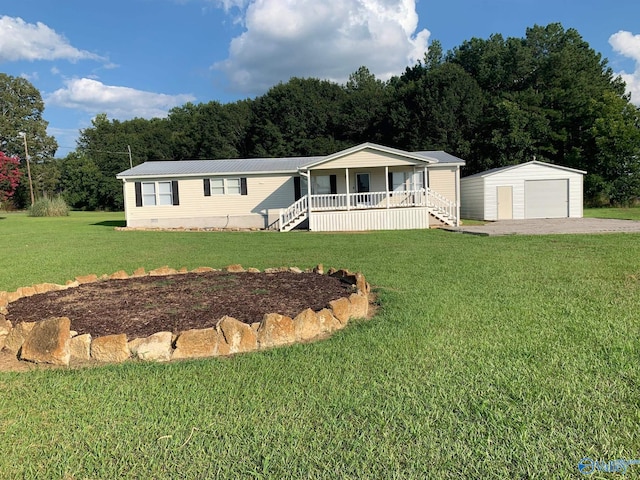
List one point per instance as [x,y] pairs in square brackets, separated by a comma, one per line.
[225,186]
[156,194]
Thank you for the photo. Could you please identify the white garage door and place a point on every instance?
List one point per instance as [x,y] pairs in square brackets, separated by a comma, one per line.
[546,198]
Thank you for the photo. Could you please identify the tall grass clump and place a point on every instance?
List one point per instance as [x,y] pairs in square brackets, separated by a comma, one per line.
[49,207]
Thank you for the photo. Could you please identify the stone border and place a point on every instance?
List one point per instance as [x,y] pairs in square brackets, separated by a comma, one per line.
[51,341]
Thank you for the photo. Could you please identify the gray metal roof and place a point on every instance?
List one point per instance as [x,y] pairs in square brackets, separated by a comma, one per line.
[493,171]
[210,167]
[440,156]
[187,168]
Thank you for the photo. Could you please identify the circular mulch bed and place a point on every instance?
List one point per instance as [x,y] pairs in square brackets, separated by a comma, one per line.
[142,306]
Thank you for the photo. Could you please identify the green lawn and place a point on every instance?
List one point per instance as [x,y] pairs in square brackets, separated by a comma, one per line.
[491,357]
[632,213]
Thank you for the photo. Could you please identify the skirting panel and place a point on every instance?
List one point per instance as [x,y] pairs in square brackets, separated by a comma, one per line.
[359,220]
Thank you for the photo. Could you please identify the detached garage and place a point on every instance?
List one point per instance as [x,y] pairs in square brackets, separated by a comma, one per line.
[529,190]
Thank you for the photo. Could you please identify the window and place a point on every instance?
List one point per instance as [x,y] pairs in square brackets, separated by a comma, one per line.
[165,196]
[224,186]
[217,186]
[150,194]
[233,186]
[323,184]
[398,181]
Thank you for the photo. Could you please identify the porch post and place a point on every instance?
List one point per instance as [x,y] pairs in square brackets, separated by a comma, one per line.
[346,175]
[308,175]
[458,196]
[386,182]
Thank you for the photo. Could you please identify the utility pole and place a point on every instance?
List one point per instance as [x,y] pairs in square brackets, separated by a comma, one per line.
[130,159]
[26,154]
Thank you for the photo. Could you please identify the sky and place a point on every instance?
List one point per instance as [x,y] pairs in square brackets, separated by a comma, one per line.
[141,58]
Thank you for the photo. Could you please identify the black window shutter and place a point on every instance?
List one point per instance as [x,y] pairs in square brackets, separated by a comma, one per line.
[138,186]
[243,186]
[333,180]
[297,190]
[207,187]
[174,192]
[390,180]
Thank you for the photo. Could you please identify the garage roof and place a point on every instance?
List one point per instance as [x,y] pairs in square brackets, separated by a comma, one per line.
[494,171]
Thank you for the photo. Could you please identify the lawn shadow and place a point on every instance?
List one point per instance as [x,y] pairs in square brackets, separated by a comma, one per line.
[111,223]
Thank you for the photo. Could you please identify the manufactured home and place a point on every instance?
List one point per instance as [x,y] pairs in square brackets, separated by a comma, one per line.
[529,190]
[366,187]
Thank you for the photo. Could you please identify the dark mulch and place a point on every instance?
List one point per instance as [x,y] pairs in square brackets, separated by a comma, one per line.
[142,306]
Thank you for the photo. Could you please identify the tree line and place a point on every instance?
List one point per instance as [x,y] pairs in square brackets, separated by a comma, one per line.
[493,102]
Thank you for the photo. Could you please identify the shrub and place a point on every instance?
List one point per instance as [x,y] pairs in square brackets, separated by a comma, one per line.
[49,207]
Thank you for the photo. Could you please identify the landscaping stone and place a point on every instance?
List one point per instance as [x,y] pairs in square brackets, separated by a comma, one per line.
[295,270]
[362,285]
[162,271]
[319,269]
[196,343]
[235,268]
[203,270]
[119,275]
[46,287]
[5,328]
[253,270]
[328,323]
[80,347]
[239,336]
[87,278]
[341,309]
[156,347]
[275,330]
[139,272]
[26,291]
[359,305]
[110,348]
[13,296]
[307,325]
[4,299]
[48,342]
[16,337]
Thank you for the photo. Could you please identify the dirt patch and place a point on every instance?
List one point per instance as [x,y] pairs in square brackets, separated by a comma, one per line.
[142,306]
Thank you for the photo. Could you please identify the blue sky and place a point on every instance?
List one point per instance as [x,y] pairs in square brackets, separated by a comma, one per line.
[140,58]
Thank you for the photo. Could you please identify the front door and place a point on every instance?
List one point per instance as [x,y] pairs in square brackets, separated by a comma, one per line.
[362,186]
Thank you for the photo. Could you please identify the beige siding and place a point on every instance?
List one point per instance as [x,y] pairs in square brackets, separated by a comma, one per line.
[263,193]
[365,159]
[443,181]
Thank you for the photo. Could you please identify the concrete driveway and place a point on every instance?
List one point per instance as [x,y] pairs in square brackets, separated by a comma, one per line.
[547,226]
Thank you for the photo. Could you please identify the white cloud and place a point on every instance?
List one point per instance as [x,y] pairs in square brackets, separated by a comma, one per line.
[27,41]
[329,40]
[628,45]
[121,103]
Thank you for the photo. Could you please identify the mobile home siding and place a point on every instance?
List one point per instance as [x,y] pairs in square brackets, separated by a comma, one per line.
[264,192]
[443,181]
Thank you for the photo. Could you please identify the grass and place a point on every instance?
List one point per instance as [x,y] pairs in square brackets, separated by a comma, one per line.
[631,213]
[491,357]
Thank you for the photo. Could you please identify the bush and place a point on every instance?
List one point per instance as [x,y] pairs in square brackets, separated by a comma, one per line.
[49,207]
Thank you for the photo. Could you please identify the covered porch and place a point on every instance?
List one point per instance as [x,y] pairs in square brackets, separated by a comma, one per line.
[378,198]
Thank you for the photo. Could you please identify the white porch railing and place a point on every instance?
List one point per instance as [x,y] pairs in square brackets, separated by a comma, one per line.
[366,200]
[440,206]
[293,215]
